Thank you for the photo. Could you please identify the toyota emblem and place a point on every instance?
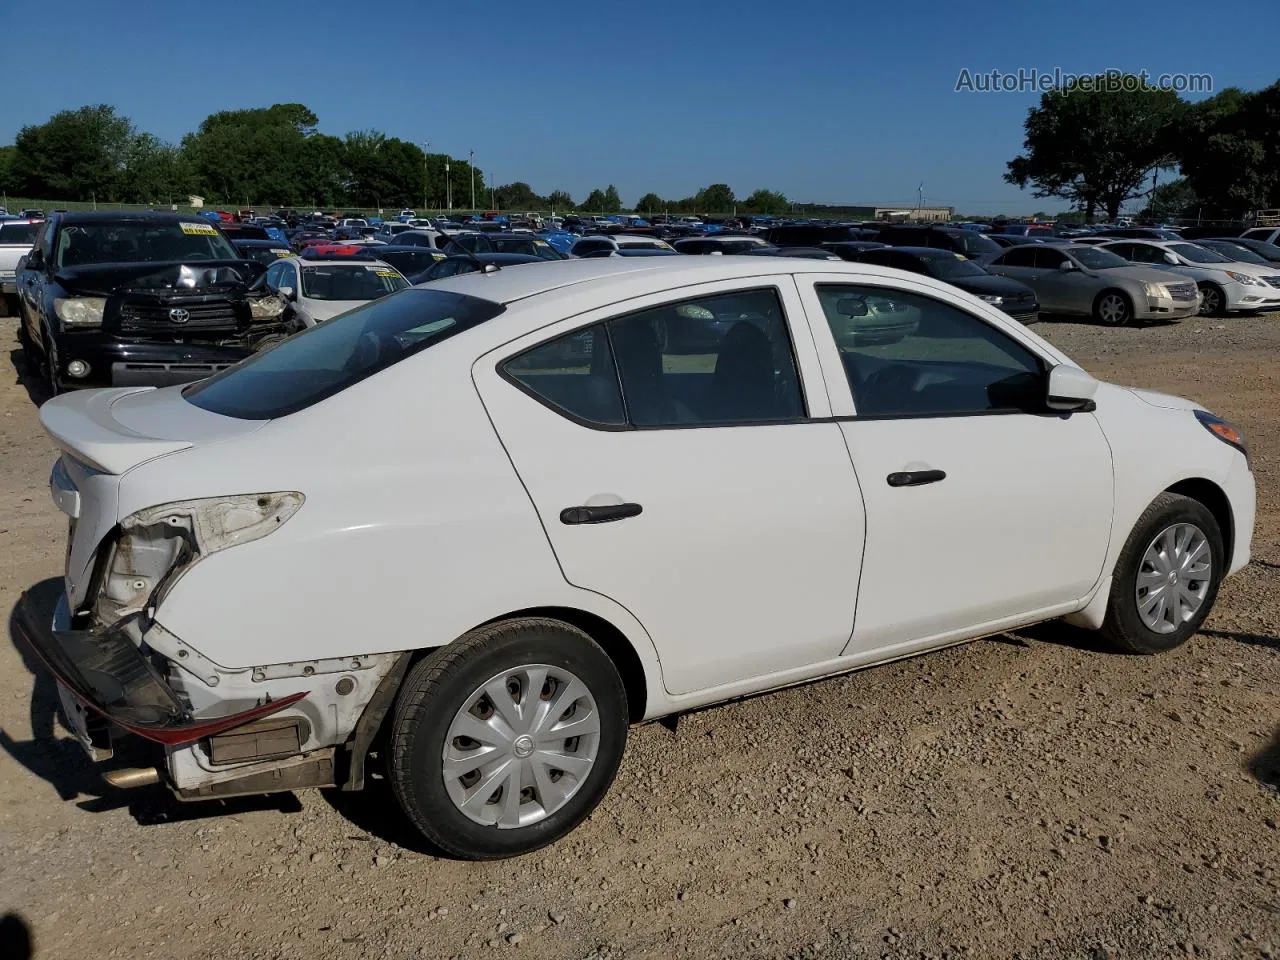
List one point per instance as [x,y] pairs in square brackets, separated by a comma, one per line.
[178,315]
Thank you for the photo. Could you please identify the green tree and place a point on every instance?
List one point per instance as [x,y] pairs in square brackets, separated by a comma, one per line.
[1171,200]
[766,201]
[254,156]
[649,203]
[595,202]
[717,198]
[560,200]
[75,154]
[518,196]
[7,182]
[1231,153]
[152,171]
[612,202]
[1096,142]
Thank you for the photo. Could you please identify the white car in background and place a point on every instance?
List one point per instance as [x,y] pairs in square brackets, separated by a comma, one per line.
[16,239]
[599,245]
[319,288]
[1226,285]
[489,522]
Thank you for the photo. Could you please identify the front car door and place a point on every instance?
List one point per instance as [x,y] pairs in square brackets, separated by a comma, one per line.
[984,509]
[677,450]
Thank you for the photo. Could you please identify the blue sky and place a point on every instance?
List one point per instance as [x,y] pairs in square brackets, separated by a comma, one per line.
[825,100]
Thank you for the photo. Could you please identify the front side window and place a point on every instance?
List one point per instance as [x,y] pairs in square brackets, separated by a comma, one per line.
[1048,258]
[910,355]
[325,359]
[714,360]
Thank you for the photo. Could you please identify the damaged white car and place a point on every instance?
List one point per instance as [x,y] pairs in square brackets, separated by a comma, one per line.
[475,529]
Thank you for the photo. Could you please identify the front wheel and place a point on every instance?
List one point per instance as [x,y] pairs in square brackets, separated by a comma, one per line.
[1167,576]
[1113,309]
[506,739]
[1212,302]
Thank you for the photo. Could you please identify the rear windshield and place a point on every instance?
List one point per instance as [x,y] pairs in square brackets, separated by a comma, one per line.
[133,241]
[329,357]
[18,232]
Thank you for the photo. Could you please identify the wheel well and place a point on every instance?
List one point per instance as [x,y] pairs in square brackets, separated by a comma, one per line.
[1215,500]
[612,640]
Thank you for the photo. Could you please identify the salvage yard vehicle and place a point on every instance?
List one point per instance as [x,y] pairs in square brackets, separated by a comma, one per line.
[16,239]
[128,299]
[475,529]
[1226,285]
[318,287]
[1081,279]
[1014,298]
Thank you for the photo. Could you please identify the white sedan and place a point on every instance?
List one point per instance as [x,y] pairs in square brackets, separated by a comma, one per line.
[476,529]
[318,287]
[1226,285]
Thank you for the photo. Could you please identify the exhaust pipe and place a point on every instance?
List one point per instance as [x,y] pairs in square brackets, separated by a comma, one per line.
[130,777]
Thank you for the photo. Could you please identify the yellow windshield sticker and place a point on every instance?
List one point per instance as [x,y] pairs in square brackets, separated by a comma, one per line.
[386,273]
[198,229]
[283,253]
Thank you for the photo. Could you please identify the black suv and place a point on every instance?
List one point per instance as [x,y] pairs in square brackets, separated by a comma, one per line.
[967,243]
[123,299]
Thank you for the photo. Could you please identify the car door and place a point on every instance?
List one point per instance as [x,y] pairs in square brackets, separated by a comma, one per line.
[1018,263]
[694,479]
[1056,287]
[984,509]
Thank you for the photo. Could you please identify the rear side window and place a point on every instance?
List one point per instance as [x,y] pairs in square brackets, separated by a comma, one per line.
[1023,255]
[326,359]
[711,361]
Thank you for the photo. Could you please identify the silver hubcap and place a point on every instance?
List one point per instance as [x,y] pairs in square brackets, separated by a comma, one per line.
[521,746]
[1112,309]
[1173,578]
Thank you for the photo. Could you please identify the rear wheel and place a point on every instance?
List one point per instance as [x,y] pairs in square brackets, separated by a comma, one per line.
[505,740]
[1167,576]
[1113,309]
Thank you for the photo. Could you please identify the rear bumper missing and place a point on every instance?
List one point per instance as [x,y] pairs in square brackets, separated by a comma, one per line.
[106,672]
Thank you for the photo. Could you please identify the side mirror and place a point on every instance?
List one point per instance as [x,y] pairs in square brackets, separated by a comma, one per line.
[287,293]
[1070,388]
[1170,259]
[1066,265]
[851,307]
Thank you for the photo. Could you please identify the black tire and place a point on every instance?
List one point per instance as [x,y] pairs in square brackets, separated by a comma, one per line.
[49,366]
[1214,302]
[1122,317]
[1123,626]
[439,686]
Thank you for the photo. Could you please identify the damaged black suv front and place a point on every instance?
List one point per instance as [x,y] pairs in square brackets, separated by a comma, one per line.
[141,300]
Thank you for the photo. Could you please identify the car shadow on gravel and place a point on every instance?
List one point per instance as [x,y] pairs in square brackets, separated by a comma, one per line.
[30,380]
[1266,765]
[61,761]
[376,811]
[1062,634]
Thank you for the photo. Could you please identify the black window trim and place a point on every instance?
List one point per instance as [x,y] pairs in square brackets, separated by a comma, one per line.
[627,427]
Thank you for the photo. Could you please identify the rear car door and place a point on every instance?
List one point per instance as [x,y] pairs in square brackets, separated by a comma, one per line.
[677,451]
[1018,263]
[984,509]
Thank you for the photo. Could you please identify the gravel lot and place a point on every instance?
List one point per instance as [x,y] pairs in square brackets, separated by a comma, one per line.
[1028,796]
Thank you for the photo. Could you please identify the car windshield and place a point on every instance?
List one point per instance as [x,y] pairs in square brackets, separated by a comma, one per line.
[264,254]
[134,241]
[642,252]
[644,244]
[741,246]
[18,233]
[974,244]
[530,248]
[1091,258]
[1197,254]
[953,268]
[410,262]
[342,281]
[329,357]
[1239,254]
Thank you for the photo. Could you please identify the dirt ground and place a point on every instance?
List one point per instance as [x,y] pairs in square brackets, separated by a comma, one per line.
[1029,796]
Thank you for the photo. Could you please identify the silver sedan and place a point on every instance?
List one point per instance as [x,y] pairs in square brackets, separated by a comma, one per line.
[1080,279]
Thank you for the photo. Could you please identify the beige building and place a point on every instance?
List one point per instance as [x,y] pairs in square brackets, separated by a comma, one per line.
[915,214]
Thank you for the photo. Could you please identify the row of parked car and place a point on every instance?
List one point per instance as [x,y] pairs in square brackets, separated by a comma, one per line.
[160,298]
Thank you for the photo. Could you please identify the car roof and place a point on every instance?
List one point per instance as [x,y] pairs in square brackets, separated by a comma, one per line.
[597,282]
[258,243]
[145,216]
[342,261]
[924,253]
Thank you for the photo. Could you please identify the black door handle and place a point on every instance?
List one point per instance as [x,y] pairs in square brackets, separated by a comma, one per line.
[612,511]
[915,478]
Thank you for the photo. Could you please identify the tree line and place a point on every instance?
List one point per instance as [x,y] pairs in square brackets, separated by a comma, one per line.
[276,155]
[1100,145]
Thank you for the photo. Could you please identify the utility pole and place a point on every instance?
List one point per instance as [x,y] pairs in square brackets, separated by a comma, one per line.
[426,146]
[448,186]
[472,156]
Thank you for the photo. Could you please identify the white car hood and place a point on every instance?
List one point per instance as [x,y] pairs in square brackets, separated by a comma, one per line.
[1166,401]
